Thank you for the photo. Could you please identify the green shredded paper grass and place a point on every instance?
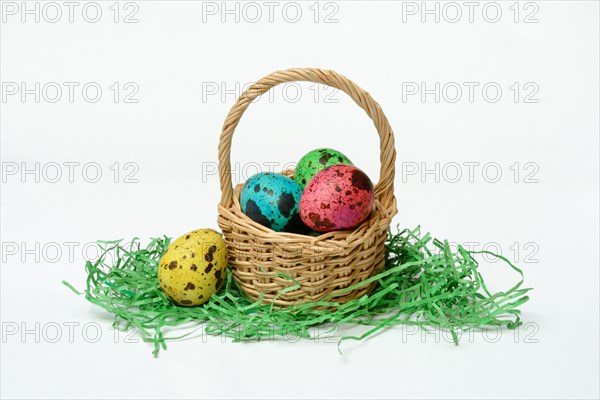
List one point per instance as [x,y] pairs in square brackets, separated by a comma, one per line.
[424,283]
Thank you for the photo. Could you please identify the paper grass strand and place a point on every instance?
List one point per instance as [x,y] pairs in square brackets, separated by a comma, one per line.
[425,283]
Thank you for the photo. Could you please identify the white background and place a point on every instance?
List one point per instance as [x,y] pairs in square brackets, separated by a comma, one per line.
[179,57]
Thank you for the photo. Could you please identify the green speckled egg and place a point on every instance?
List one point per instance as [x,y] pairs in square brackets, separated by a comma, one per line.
[316,161]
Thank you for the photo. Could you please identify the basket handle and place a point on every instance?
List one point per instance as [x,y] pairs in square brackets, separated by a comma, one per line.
[384,189]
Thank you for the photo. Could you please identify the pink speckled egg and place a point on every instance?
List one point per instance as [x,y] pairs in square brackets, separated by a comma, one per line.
[337,198]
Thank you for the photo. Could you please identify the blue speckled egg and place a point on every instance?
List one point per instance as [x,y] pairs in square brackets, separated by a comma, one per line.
[272,200]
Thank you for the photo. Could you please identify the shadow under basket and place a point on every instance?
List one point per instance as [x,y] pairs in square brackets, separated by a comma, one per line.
[289,268]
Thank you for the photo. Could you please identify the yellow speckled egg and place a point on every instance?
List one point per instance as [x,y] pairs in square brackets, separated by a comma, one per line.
[193,267]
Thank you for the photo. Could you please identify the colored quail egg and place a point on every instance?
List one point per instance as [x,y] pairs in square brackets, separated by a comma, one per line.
[337,198]
[316,161]
[272,200]
[193,267]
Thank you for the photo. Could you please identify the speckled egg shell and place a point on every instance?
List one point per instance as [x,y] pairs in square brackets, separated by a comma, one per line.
[337,198]
[193,268]
[316,161]
[272,200]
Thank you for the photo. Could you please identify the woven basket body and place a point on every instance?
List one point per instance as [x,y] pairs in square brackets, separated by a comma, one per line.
[288,268]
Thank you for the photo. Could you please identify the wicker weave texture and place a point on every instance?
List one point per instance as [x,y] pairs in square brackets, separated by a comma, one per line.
[263,260]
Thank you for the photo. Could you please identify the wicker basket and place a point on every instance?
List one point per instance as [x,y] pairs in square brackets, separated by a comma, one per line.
[262,260]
